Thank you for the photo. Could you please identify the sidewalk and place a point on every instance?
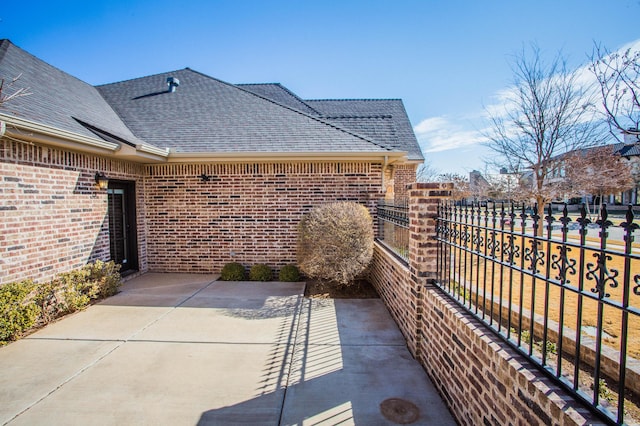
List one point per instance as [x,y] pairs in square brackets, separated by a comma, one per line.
[185,349]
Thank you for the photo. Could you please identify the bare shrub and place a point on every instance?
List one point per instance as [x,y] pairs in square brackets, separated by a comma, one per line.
[335,242]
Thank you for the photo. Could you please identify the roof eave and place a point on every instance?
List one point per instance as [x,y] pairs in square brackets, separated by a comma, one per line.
[267,157]
[31,131]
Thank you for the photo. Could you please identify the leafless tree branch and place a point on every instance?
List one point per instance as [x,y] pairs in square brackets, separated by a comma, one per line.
[618,75]
[547,113]
[16,93]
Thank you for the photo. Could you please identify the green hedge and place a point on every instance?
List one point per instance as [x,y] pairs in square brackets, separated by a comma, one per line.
[17,310]
[233,271]
[289,273]
[25,304]
[260,272]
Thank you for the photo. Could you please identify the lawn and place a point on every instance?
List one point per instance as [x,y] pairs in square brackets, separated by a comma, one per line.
[575,299]
[504,282]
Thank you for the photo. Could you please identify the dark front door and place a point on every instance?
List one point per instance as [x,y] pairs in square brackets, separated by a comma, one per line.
[122,225]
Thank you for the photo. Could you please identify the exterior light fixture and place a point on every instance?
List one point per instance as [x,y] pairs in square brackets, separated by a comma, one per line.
[102,181]
[204,178]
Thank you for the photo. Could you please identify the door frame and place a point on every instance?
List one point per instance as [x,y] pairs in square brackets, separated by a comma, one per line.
[129,199]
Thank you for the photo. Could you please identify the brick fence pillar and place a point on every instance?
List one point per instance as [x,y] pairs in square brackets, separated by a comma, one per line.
[423,247]
[423,214]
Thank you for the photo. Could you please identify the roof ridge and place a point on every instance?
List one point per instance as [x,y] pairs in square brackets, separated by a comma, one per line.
[4,46]
[286,90]
[316,118]
[260,84]
[9,43]
[144,76]
[355,99]
[337,116]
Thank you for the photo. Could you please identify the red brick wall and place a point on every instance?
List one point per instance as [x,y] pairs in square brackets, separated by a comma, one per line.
[481,379]
[403,175]
[52,216]
[392,280]
[246,213]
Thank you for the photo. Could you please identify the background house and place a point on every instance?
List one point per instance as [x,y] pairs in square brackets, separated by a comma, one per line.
[200,172]
[601,169]
[629,149]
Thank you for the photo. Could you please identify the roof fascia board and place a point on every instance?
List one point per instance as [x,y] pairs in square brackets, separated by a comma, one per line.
[268,157]
[21,128]
[153,150]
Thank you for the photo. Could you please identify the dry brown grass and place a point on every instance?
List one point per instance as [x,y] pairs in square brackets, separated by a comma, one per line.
[508,281]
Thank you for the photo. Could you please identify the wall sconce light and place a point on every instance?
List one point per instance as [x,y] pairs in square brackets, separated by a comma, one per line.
[102,181]
[203,177]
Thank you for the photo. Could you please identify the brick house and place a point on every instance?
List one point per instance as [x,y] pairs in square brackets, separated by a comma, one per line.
[200,172]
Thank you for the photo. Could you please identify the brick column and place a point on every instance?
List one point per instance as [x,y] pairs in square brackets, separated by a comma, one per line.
[423,247]
[423,214]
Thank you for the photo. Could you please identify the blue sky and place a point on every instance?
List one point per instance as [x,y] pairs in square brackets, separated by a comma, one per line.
[446,59]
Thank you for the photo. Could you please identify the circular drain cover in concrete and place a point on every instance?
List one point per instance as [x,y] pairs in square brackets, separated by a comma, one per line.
[399,411]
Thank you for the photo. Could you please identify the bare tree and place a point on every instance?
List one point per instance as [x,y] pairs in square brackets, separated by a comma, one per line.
[597,172]
[13,92]
[461,189]
[546,113]
[427,173]
[618,74]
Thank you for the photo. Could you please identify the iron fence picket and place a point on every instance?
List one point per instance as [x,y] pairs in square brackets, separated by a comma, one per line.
[471,237]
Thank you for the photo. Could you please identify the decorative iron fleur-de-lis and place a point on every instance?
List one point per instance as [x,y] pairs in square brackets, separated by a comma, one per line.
[629,225]
[512,217]
[565,219]
[563,264]
[604,222]
[503,215]
[583,220]
[602,275]
[523,216]
[549,219]
[535,217]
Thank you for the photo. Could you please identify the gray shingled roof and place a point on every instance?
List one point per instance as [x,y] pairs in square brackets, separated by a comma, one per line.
[204,114]
[627,150]
[57,99]
[377,127]
[340,109]
[280,94]
[208,115]
[383,120]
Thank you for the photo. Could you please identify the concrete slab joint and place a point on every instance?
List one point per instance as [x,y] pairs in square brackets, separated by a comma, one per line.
[180,349]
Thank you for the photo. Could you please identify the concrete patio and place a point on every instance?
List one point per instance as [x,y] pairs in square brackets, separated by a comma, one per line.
[186,349]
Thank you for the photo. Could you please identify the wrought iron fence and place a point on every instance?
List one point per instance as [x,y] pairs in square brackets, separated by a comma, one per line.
[393,227]
[564,291]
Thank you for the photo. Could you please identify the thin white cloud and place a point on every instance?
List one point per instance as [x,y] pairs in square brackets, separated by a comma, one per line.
[584,78]
[438,134]
[443,133]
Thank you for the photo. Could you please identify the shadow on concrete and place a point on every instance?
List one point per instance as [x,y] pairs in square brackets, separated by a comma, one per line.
[263,300]
[337,368]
